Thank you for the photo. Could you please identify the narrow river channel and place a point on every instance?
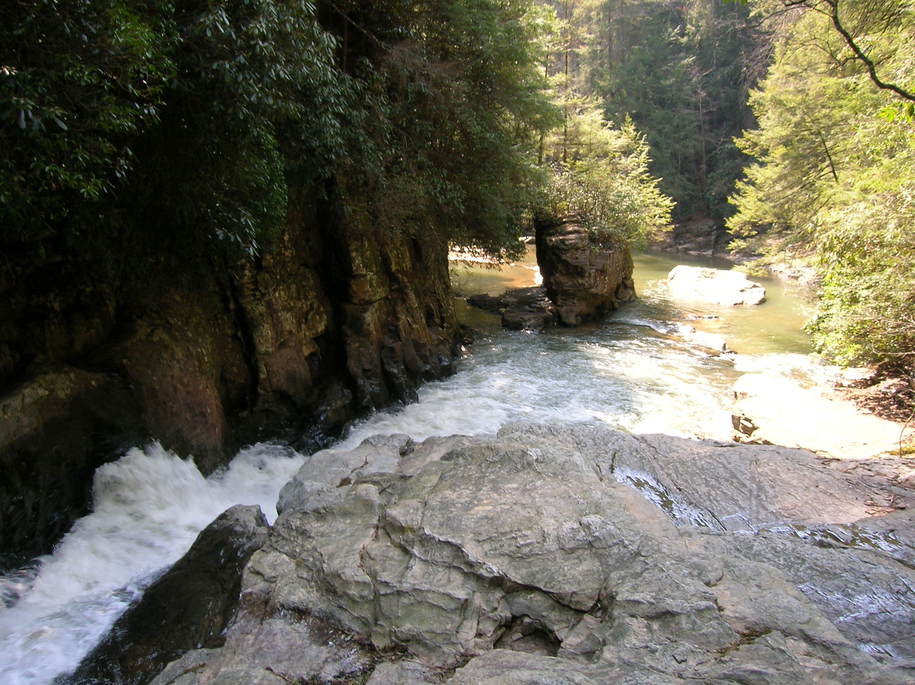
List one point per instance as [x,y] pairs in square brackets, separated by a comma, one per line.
[630,372]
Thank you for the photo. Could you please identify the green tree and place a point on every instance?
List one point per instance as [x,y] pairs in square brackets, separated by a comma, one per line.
[681,70]
[834,181]
[193,120]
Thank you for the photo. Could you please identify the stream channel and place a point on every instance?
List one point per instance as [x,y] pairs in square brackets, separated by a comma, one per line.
[629,372]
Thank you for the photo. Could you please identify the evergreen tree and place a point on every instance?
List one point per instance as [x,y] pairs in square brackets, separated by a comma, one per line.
[834,179]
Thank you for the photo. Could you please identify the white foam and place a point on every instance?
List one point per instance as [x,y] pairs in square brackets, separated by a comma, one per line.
[148,508]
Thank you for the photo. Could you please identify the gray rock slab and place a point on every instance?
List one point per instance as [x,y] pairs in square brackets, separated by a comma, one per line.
[573,554]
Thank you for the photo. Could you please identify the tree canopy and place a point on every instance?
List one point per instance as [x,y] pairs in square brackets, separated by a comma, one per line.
[834,177]
[195,117]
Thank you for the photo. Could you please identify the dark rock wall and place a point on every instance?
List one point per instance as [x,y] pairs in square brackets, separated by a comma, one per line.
[584,278]
[118,341]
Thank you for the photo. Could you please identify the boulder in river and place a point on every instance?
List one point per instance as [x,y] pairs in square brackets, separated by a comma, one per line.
[186,608]
[714,286]
[572,553]
[520,308]
[583,276]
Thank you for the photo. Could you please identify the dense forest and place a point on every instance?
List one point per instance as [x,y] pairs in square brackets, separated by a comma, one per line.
[193,124]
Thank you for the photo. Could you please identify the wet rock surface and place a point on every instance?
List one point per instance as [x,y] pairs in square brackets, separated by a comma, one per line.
[715,286]
[187,607]
[573,554]
[584,278]
[520,308]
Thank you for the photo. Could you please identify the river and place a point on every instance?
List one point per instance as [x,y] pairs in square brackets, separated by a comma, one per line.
[629,372]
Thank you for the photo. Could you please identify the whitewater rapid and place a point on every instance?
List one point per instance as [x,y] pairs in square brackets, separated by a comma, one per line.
[629,372]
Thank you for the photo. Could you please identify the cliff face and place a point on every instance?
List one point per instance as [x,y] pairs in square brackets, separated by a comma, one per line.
[583,278]
[153,342]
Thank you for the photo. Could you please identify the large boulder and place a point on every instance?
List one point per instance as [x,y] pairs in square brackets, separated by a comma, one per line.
[573,554]
[714,286]
[186,608]
[583,276]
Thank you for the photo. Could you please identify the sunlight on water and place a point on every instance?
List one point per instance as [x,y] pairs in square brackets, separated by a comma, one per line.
[619,374]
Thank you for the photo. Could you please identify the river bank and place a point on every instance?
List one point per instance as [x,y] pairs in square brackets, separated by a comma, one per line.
[778,384]
[630,372]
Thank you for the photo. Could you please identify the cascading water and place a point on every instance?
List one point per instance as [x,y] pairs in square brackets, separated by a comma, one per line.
[148,508]
[628,372]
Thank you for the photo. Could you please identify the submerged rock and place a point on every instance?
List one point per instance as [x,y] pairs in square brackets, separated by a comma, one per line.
[715,286]
[189,606]
[583,277]
[571,554]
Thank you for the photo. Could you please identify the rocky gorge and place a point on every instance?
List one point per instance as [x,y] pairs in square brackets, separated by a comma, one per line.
[169,343]
[538,552]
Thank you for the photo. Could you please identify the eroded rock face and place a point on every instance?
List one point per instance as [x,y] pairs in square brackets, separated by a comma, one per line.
[715,286]
[575,554]
[583,278]
[333,320]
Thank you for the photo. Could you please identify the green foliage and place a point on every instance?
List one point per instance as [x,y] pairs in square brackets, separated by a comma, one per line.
[78,82]
[835,178]
[464,100]
[600,173]
[681,70]
[192,120]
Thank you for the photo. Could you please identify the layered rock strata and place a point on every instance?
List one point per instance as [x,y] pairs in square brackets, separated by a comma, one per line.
[583,277]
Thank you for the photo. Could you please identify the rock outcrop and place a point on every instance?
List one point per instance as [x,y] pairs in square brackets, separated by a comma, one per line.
[714,286]
[334,319]
[696,235]
[186,608]
[519,308]
[584,278]
[573,554]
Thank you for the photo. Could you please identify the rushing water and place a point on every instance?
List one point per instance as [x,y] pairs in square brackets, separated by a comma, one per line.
[629,372]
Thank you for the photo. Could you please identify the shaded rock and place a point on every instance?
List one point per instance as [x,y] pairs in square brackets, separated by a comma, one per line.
[188,607]
[584,278]
[577,554]
[520,308]
[696,235]
[55,430]
[333,319]
[715,286]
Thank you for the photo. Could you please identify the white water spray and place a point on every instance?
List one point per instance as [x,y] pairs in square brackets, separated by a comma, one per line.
[148,508]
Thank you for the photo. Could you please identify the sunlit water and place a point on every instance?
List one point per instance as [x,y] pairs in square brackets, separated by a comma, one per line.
[629,372]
